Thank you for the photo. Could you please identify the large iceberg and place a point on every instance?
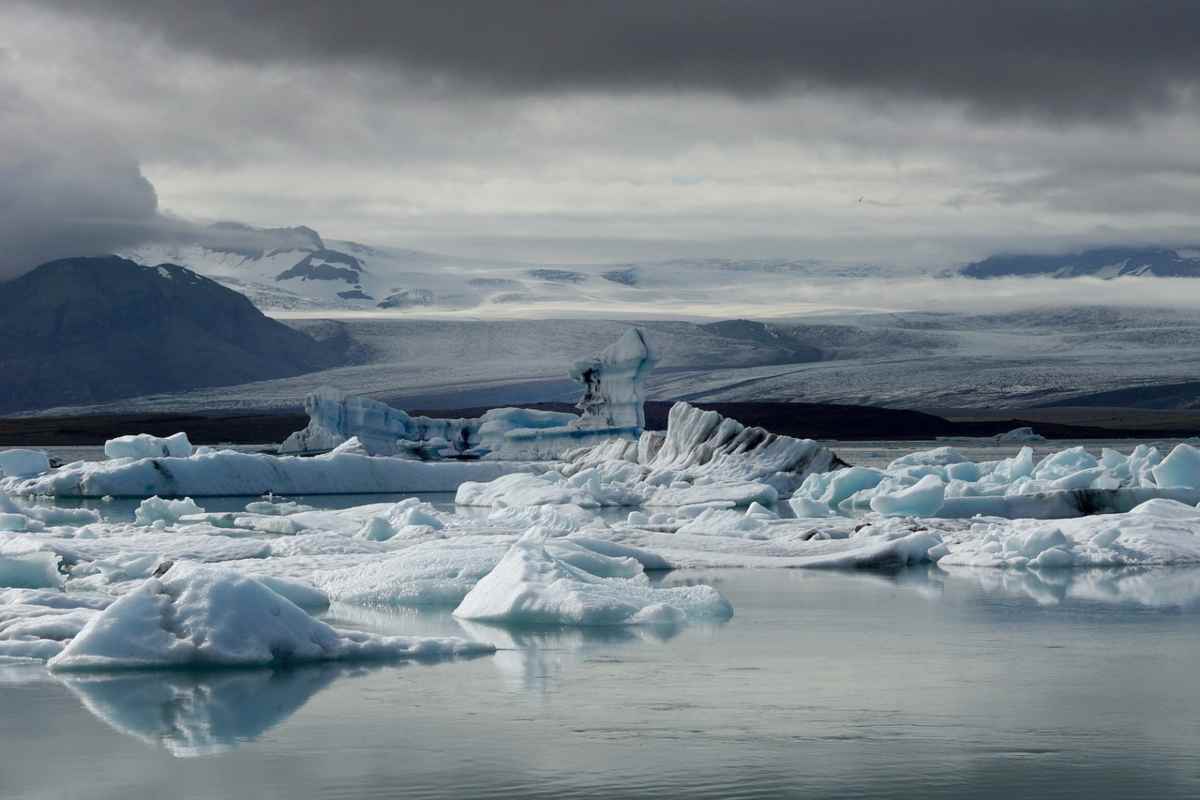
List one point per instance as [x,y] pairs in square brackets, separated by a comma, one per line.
[202,616]
[702,458]
[612,406]
[614,392]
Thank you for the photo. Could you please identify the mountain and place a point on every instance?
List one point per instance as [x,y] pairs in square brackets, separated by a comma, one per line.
[296,269]
[1106,262]
[84,330]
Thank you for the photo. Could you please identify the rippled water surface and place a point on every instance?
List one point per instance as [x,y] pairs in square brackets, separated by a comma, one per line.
[918,684]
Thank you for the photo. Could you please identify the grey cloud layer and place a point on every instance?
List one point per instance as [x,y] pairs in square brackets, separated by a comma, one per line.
[605,131]
[1051,58]
[64,190]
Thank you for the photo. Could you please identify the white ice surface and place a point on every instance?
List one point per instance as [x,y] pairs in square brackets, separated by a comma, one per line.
[702,458]
[229,472]
[201,616]
[23,463]
[143,445]
[530,586]
[1066,483]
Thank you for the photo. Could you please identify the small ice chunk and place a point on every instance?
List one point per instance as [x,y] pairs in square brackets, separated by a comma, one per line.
[37,569]
[937,457]
[923,499]
[23,463]
[1180,469]
[1019,435]
[13,522]
[803,508]
[143,445]
[153,509]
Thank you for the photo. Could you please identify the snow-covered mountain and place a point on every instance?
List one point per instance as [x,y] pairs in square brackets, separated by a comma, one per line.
[1107,262]
[295,269]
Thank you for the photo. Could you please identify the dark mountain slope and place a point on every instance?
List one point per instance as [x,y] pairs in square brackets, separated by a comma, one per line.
[85,330]
[1107,262]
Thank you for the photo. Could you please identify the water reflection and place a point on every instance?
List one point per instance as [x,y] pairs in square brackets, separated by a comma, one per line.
[1129,587]
[530,658]
[196,714]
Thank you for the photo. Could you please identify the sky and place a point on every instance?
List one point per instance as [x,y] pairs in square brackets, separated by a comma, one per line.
[922,133]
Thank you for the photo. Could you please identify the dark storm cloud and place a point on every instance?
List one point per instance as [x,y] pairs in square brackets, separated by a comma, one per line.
[64,190]
[1051,58]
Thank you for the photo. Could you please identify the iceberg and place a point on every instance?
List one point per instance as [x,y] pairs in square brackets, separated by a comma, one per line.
[1018,435]
[335,417]
[1181,468]
[203,616]
[36,569]
[1156,532]
[1064,484]
[20,463]
[702,458]
[234,473]
[155,509]
[612,405]
[614,393]
[532,587]
[143,445]
[922,499]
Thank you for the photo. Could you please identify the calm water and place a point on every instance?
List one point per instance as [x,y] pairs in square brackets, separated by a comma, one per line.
[919,684]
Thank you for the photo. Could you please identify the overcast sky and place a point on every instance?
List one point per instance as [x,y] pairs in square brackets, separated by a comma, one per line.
[923,132]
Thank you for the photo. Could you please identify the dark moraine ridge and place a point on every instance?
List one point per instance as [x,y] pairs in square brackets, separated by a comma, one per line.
[817,421]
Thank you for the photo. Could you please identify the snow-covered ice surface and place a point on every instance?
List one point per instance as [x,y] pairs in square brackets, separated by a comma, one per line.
[703,458]
[231,472]
[530,585]
[944,482]
[203,616]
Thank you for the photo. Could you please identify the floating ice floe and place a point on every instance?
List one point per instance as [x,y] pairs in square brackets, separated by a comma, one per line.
[155,509]
[234,473]
[203,616]
[1067,483]
[702,458]
[530,586]
[1018,435]
[20,463]
[34,569]
[1157,532]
